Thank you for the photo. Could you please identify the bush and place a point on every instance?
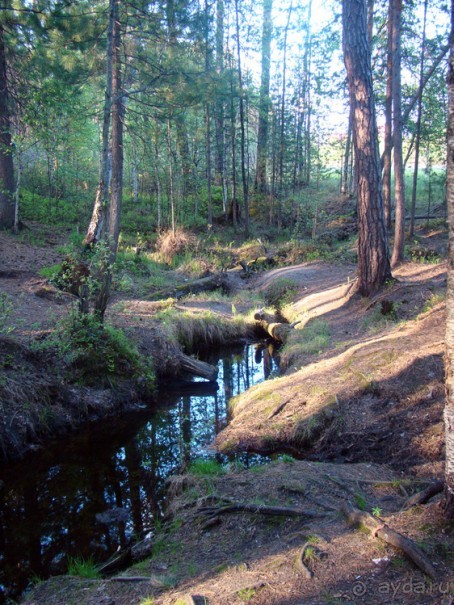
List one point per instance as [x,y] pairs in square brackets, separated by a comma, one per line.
[170,245]
[100,351]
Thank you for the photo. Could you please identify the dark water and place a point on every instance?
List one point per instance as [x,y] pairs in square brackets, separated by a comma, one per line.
[104,486]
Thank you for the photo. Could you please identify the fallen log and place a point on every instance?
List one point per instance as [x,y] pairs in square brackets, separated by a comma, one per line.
[205,284]
[278,331]
[197,368]
[381,530]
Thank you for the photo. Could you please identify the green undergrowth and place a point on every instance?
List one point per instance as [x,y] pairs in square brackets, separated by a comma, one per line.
[281,293]
[312,339]
[204,468]
[94,350]
[83,568]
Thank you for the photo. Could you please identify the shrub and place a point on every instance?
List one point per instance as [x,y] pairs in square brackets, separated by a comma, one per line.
[99,350]
[170,244]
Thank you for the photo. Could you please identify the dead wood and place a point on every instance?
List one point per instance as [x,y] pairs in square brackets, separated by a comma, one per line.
[258,509]
[300,562]
[381,530]
[425,495]
[205,284]
[197,367]
[277,409]
[277,330]
[130,579]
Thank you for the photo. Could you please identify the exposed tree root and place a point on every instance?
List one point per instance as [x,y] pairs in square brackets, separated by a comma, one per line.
[388,535]
[239,507]
[300,563]
[425,495]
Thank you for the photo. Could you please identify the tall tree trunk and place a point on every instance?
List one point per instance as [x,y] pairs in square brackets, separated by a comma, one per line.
[308,103]
[399,183]
[219,117]
[282,124]
[118,112]
[6,150]
[242,120]
[370,20]
[418,126]
[116,190]
[264,100]
[135,171]
[373,256]
[171,187]
[388,121]
[98,222]
[346,162]
[448,503]
[208,117]
[234,202]
[158,184]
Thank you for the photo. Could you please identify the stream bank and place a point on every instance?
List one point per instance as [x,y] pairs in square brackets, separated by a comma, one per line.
[105,486]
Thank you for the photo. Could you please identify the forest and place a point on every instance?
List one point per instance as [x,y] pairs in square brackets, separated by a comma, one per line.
[226,301]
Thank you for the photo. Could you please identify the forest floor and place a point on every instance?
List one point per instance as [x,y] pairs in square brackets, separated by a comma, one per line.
[361,400]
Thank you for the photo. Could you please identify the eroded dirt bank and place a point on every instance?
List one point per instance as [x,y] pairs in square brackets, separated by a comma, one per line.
[362,398]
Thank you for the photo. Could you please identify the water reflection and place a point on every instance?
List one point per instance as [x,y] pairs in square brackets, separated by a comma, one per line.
[105,485]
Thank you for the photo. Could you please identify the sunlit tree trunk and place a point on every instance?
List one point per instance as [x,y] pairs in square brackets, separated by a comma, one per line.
[233,201]
[264,101]
[219,118]
[282,124]
[388,121]
[242,127]
[448,503]
[98,222]
[373,259]
[118,112]
[158,181]
[208,117]
[399,184]
[346,163]
[116,185]
[418,126]
[171,184]
[6,150]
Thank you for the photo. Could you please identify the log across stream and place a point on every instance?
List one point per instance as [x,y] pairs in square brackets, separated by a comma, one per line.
[92,493]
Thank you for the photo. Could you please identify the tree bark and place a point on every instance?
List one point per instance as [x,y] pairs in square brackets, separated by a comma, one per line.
[244,176]
[399,184]
[118,112]
[418,127]
[449,407]
[98,222]
[373,256]
[208,117]
[219,117]
[264,100]
[6,149]
[388,122]
[282,124]
[344,178]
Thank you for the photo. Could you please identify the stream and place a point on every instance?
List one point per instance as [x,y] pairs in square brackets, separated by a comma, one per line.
[104,486]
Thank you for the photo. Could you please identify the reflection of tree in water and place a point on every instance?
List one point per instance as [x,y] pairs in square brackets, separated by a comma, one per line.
[106,485]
